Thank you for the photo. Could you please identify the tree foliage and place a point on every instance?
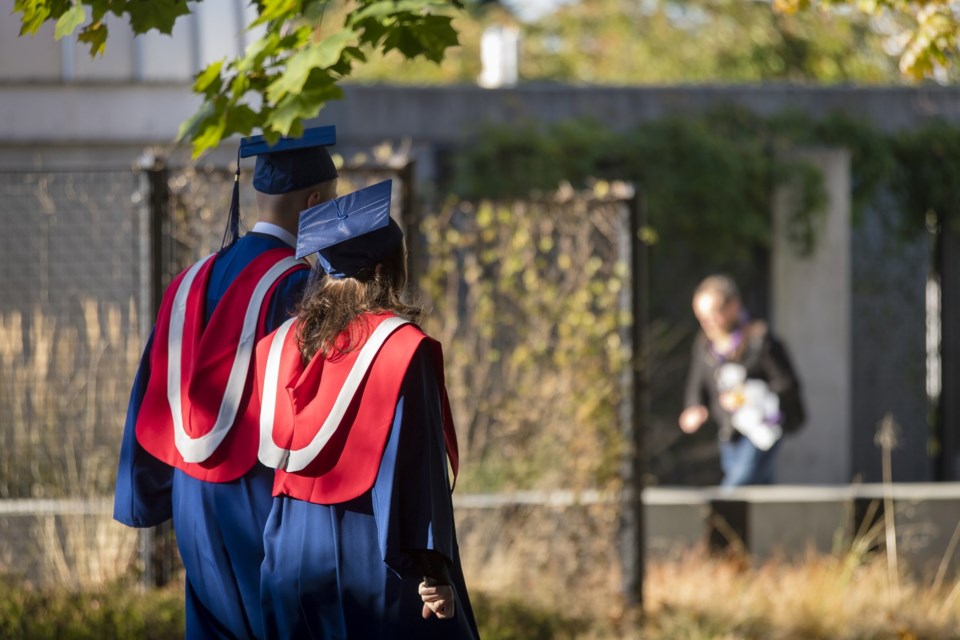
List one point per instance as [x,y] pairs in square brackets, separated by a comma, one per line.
[624,42]
[709,180]
[668,41]
[285,75]
[926,44]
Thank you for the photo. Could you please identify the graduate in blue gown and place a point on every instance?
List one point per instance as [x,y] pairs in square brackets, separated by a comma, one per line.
[360,542]
[219,499]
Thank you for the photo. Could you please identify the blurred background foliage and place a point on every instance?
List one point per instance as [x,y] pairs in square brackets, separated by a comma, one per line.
[707,184]
[527,298]
[708,180]
[627,42]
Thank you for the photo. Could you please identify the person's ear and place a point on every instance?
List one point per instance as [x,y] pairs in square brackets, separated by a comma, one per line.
[326,192]
[314,198]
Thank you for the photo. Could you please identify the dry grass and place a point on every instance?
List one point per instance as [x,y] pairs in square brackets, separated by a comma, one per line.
[64,383]
[698,597]
[552,571]
[695,596]
[63,392]
[831,597]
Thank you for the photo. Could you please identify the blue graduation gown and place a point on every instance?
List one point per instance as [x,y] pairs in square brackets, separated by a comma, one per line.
[345,570]
[218,526]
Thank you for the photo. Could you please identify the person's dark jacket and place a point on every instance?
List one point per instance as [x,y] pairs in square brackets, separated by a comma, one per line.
[764,357]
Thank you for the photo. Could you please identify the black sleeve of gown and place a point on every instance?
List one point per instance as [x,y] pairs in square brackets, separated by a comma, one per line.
[412,492]
[142,495]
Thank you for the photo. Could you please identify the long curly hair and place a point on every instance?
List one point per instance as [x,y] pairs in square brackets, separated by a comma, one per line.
[330,305]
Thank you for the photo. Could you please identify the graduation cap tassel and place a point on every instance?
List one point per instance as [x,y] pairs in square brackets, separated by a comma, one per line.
[232,232]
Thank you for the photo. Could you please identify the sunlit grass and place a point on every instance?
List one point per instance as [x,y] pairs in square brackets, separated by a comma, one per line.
[691,597]
[118,610]
[835,597]
[696,596]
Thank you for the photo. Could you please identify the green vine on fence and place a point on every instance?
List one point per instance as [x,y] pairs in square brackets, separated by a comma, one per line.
[527,299]
[708,183]
[709,179]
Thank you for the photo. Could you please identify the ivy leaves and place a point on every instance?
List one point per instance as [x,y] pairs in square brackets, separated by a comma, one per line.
[287,74]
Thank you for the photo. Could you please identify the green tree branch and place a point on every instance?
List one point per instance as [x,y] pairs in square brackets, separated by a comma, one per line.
[283,77]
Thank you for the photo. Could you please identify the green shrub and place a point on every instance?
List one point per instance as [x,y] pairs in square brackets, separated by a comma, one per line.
[514,620]
[119,610]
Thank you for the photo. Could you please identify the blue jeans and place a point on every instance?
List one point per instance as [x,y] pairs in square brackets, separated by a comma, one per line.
[743,463]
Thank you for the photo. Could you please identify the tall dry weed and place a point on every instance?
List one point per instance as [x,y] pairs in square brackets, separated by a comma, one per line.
[834,597]
[64,384]
[528,302]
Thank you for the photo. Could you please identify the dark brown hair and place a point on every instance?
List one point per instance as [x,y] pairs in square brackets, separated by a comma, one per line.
[329,305]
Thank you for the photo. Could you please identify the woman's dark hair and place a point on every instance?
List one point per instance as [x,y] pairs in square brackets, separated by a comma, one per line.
[330,305]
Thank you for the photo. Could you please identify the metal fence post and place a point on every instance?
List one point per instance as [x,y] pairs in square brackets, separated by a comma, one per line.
[633,538]
[154,257]
[411,223]
[947,420]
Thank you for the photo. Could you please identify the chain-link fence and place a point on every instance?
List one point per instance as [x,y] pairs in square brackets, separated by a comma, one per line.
[529,298]
[71,308]
[85,258]
[71,301]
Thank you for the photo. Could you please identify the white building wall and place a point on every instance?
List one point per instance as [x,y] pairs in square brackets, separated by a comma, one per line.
[26,59]
[115,64]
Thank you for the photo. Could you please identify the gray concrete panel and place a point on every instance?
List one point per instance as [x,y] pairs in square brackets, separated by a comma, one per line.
[27,59]
[446,115]
[115,64]
[810,311]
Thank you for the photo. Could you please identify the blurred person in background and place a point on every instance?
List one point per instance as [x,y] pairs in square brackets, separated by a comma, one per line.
[190,443]
[741,377]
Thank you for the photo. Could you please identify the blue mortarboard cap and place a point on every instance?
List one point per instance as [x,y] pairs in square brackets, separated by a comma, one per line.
[312,137]
[288,165]
[291,164]
[352,232]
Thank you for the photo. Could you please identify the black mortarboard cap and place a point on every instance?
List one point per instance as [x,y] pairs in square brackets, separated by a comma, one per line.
[290,164]
[352,232]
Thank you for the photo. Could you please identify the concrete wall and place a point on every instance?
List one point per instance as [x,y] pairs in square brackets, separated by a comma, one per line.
[64,112]
[556,550]
[213,29]
[810,311]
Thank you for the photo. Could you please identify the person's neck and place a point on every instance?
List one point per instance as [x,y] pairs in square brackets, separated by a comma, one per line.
[726,343]
[722,343]
[287,223]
